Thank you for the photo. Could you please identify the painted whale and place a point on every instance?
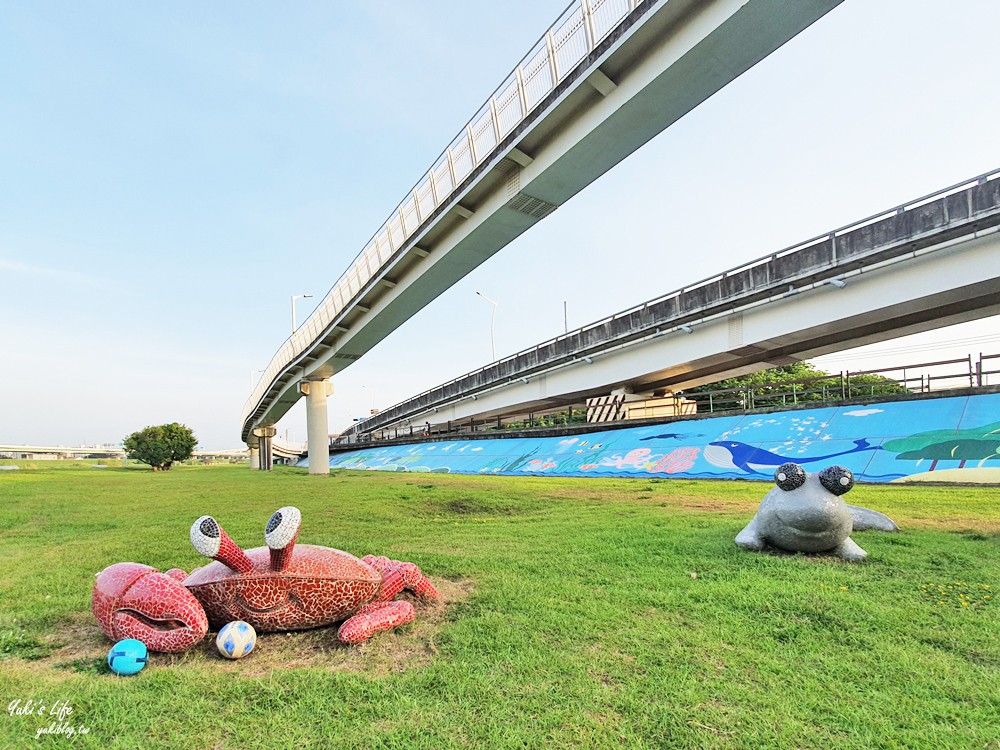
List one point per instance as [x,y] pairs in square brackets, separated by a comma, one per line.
[732,455]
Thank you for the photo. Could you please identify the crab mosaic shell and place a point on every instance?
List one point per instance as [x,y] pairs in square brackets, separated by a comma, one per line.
[320,586]
[283,586]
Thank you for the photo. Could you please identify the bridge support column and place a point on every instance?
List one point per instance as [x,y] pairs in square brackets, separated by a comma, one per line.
[265,456]
[317,424]
[254,457]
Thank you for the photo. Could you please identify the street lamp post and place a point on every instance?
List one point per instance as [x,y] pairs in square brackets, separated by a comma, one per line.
[252,373]
[295,297]
[493,323]
[371,390]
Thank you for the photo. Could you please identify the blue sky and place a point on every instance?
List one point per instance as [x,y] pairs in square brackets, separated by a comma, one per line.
[167,170]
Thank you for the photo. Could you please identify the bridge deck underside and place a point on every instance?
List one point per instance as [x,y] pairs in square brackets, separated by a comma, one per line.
[934,265]
[665,59]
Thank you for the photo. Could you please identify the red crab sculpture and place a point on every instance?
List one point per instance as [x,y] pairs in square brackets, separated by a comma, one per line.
[282,586]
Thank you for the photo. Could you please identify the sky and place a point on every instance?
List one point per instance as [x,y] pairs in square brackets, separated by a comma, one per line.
[172,173]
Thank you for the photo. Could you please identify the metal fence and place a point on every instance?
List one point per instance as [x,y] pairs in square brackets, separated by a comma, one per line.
[921,377]
[757,276]
[578,30]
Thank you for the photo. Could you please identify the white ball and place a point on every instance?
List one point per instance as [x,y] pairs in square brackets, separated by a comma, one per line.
[236,639]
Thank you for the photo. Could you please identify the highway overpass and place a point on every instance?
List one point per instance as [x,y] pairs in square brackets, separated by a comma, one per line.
[104,451]
[931,262]
[607,77]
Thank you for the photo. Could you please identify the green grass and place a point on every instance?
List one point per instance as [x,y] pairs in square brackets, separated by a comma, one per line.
[580,613]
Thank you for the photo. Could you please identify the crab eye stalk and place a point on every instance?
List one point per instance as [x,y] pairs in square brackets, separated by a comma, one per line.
[280,535]
[837,479]
[789,476]
[210,540]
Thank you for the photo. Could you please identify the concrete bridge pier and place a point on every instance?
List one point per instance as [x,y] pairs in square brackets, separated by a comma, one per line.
[264,436]
[254,457]
[317,424]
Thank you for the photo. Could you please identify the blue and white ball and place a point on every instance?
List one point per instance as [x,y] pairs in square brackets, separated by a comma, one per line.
[127,657]
[236,639]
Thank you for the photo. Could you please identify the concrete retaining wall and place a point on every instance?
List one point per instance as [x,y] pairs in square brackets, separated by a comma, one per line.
[947,439]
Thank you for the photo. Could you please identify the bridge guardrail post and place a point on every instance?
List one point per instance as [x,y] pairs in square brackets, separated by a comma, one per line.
[522,96]
[472,146]
[588,24]
[550,47]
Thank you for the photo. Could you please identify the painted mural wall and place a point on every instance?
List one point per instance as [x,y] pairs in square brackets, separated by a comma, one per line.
[941,439]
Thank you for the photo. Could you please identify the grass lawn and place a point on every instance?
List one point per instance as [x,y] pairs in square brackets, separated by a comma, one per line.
[576,613]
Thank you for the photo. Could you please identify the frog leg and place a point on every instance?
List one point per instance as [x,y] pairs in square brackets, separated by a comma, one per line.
[865,519]
[849,550]
[750,538]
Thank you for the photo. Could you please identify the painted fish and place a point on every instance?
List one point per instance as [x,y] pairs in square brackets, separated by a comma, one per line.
[673,436]
[733,455]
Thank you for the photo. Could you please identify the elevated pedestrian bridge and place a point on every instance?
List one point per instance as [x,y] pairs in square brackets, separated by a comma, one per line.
[932,262]
[607,77]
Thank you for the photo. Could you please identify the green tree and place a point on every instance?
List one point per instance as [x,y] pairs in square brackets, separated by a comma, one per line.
[161,445]
[773,387]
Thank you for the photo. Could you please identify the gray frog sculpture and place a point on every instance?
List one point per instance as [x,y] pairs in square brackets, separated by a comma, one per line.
[806,513]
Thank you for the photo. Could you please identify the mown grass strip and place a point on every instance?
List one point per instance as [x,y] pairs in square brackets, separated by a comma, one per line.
[579,613]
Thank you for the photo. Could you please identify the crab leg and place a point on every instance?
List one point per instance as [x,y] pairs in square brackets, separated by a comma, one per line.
[211,541]
[281,532]
[393,570]
[374,618]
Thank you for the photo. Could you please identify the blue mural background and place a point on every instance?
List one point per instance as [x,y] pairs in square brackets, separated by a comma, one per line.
[939,439]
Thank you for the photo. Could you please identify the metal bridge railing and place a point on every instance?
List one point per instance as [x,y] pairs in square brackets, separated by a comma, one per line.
[921,377]
[593,331]
[816,391]
[577,32]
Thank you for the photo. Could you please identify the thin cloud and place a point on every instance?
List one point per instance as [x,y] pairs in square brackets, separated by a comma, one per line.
[14,266]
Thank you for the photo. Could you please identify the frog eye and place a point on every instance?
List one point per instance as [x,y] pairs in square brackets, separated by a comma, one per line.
[790,477]
[837,479]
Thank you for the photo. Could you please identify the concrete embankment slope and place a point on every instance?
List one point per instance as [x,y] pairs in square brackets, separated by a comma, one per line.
[939,439]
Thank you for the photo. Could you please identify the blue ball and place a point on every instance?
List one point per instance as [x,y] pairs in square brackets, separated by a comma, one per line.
[236,639]
[127,657]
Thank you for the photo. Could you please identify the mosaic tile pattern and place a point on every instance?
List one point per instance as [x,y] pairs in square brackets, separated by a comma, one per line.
[319,586]
[283,586]
[375,618]
[136,601]
[281,533]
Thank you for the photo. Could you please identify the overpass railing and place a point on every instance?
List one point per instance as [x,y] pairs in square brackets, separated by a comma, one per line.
[581,27]
[852,243]
[820,390]
[919,377]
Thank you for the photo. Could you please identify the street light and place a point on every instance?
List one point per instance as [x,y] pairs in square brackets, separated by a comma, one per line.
[295,297]
[252,373]
[371,390]
[493,323]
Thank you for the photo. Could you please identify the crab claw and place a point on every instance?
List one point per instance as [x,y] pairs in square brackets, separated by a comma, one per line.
[131,600]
